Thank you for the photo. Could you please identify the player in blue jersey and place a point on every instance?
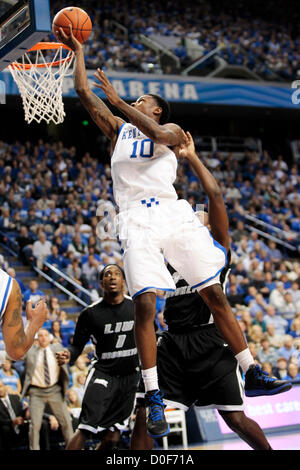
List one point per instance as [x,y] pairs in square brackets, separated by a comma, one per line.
[153,224]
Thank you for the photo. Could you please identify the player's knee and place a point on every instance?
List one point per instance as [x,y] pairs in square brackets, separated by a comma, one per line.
[235,420]
[214,296]
[144,306]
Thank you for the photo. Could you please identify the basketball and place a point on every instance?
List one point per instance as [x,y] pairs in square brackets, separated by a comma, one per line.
[78,18]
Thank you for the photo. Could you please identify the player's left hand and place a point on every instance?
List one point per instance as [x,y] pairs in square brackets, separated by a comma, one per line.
[187,150]
[106,87]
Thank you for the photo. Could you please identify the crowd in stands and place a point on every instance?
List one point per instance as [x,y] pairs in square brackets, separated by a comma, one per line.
[49,197]
[265,38]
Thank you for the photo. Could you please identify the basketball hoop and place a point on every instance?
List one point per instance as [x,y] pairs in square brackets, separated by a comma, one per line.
[40,81]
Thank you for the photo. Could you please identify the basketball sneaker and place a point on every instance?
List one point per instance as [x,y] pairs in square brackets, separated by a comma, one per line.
[157,425]
[258,383]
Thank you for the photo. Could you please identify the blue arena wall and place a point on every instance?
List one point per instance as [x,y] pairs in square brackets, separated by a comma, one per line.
[188,90]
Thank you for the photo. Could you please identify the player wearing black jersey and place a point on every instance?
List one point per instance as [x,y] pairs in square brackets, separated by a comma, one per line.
[112,381]
[195,365]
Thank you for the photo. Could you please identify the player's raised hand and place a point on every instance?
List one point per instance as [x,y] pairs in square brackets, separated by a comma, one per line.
[106,87]
[37,315]
[68,40]
[187,150]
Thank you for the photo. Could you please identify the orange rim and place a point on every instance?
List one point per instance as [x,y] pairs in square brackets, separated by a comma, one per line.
[42,46]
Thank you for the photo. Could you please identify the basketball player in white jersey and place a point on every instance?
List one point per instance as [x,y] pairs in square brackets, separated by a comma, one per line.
[17,340]
[154,225]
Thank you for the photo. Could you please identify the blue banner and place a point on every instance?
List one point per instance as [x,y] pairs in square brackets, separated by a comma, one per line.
[187,90]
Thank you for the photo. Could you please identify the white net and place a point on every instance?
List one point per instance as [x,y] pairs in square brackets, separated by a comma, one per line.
[40,83]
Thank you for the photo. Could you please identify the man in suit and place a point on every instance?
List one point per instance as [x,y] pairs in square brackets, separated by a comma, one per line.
[46,382]
[13,426]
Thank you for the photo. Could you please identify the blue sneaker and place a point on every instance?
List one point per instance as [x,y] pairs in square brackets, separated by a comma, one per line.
[258,383]
[157,425]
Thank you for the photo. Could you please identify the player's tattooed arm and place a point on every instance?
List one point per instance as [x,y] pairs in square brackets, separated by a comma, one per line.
[100,113]
[18,340]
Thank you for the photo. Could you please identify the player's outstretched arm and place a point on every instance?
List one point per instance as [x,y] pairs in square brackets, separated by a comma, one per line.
[100,113]
[217,213]
[18,340]
[168,134]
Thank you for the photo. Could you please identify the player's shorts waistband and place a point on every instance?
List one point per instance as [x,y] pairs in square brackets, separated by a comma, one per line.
[190,329]
[146,203]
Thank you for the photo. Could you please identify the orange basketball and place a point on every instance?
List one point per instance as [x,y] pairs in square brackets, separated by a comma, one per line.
[78,18]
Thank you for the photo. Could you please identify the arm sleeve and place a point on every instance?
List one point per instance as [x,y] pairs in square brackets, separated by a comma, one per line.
[81,336]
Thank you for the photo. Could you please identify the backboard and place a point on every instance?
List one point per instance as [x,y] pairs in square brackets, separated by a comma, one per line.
[23,23]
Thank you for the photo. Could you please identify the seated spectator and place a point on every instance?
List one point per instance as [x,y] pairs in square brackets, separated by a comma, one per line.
[90,273]
[288,309]
[65,322]
[275,339]
[11,272]
[13,426]
[277,296]
[294,330]
[77,245]
[267,353]
[259,320]
[10,378]
[288,349]
[34,294]
[55,259]
[74,406]
[258,304]
[295,293]
[293,373]
[267,367]
[74,271]
[54,308]
[281,368]
[256,334]
[274,254]
[25,242]
[80,367]
[280,323]
[41,248]
[234,297]
[79,385]
[57,334]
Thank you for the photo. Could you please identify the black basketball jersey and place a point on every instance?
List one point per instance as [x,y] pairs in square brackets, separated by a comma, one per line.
[185,309]
[110,328]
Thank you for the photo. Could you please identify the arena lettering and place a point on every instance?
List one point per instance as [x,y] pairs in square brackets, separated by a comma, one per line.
[287,407]
[260,410]
[119,87]
[171,91]
[296,93]
[117,354]
[119,326]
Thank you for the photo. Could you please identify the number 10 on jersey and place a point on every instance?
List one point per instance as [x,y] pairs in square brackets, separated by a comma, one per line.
[142,148]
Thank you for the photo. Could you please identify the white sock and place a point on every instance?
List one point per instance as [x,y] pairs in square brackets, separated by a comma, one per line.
[150,379]
[245,359]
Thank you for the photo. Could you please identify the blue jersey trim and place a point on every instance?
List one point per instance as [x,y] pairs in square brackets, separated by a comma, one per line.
[218,245]
[5,295]
[209,279]
[151,287]
[121,128]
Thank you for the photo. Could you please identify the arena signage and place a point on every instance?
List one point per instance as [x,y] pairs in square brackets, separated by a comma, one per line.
[184,89]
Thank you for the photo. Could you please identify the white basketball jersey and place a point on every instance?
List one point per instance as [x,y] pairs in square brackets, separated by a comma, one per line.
[141,170]
[5,290]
